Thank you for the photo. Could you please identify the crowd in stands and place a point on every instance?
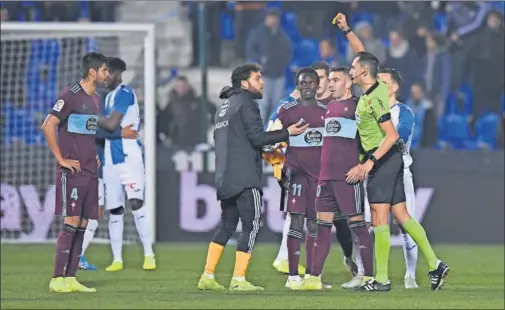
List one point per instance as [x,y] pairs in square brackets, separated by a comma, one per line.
[450,55]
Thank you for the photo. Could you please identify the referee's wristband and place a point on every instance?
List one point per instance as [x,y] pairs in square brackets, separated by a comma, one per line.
[346,32]
[373,158]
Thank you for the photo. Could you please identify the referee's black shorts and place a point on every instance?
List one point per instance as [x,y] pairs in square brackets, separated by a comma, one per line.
[385,181]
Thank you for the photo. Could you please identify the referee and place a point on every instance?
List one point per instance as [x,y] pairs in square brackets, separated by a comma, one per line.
[239,137]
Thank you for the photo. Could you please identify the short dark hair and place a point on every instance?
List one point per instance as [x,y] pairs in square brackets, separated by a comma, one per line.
[308,71]
[92,61]
[116,64]
[340,69]
[395,75]
[242,73]
[321,65]
[369,61]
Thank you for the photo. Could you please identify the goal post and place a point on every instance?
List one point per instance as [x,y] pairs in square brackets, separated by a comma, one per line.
[134,42]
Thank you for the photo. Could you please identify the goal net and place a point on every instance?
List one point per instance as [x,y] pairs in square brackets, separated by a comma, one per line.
[38,60]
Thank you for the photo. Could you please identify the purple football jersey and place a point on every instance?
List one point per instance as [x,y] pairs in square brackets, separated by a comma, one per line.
[340,151]
[78,115]
[304,151]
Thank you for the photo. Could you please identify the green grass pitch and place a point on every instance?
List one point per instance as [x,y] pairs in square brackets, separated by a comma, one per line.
[476,281]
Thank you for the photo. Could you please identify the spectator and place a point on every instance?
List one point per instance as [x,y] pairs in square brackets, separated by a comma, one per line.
[328,53]
[372,45]
[486,60]
[248,15]
[437,71]
[404,59]
[416,20]
[179,122]
[425,131]
[270,46]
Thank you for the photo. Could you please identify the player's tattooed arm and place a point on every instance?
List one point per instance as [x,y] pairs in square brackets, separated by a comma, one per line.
[354,42]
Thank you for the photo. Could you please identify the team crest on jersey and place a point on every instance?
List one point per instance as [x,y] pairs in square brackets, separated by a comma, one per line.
[223,109]
[333,126]
[313,136]
[59,105]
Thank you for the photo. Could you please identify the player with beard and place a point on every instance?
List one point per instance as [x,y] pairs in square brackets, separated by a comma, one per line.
[343,232]
[301,168]
[340,152]
[70,130]
[239,138]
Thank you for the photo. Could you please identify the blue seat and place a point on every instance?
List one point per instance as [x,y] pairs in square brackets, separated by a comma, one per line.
[227,32]
[487,130]
[361,17]
[288,23]
[440,22]
[306,52]
[273,4]
[454,132]
[453,107]
[20,125]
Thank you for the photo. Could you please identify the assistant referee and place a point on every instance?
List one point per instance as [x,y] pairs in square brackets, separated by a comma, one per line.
[239,137]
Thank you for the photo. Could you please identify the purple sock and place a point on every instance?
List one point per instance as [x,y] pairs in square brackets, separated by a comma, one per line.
[63,248]
[322,246]
[364,241]
[309,249]
[75,253]
[294,241]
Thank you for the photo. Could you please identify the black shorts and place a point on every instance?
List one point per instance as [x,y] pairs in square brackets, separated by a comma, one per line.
[385,181]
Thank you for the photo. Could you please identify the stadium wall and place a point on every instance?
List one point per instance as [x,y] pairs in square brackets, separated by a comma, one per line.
[460,198]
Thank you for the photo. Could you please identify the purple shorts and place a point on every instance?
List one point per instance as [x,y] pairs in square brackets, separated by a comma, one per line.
[340,198]
[76,196]
[301,198]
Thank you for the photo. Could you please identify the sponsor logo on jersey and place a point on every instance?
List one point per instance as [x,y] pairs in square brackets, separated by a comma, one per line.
[333,126]
[313,136]
[59,105]
[92,123]
[221,124]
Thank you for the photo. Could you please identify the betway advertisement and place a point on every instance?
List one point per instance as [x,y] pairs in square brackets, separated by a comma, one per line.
[459,200]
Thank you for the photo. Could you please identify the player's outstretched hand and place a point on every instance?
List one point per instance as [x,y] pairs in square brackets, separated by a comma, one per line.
[70,164]
[340,21]
[298,128]
[129,133]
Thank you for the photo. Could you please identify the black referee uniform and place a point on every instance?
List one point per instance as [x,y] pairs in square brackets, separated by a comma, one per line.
[239,137]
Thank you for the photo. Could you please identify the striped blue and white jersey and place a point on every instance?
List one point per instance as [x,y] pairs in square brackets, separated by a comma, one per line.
[403,120]
[123,100]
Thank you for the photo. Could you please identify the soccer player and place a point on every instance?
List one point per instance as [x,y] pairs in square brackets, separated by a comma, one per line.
[302,168]
[343,232]
[127,133]
[383,169]
[70,130]
[240,137]
[403,120]
[340,152]
[275,156]
[124,168]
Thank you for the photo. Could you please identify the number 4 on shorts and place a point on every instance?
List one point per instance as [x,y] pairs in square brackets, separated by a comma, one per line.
[73,194]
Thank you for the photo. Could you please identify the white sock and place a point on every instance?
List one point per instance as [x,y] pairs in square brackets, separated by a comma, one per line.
[116,225]
[294,278]
[359,262]
[283,250]
[209,275]
[239,278]
[410,250]
[89,234]
[143,230]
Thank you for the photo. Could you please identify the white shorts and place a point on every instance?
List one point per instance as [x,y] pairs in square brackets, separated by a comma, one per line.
[101,193]
[410,195]
[128,177]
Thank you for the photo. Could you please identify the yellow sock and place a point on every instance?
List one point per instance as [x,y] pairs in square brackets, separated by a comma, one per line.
[213,257]
[241,262]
